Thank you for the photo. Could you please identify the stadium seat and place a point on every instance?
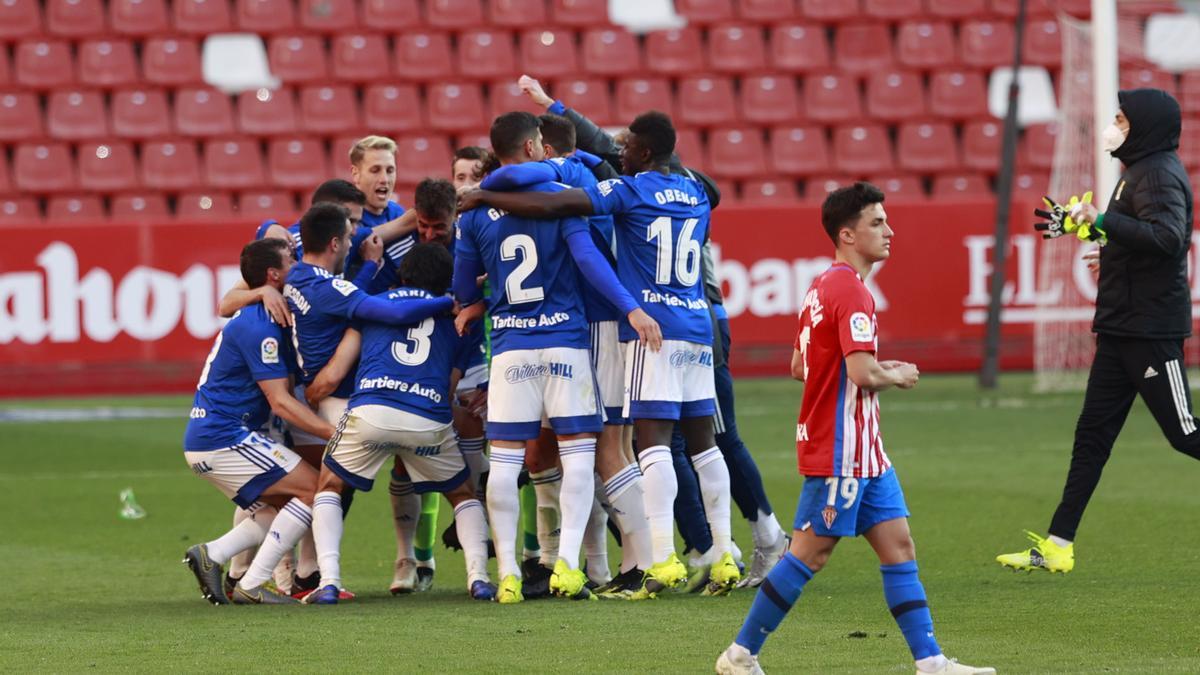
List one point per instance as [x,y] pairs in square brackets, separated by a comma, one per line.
[549,53]
[170,165]
[206,205]
[862,149]
[74,115]
[965,186]
[769,192]
[203,112]
[395,107]
[736,153]
[1189,92]
[504,96]
[327,16]
[517,14]
[1037,102]
[264,204]
[736,49]
[1189,146]
[20,116]
[690,149]
[19,210]
[926,44]
[706,101]
[297,163]
[1043,43]
[611,52]
[1037,146]
[958,94]
[139,207]
[138,17]
[360,58]
[296,58]
[892,9]
[589,97]
[391,15]
[674,52]
[769,99]
[454,14]
[140,113]
[201,17]
[107,63]
[6,186]
[579,14]
[830,11]
[862,48]
[799,48]
[832,98]
[799,151]
[1147,76]
[19,20]
[329,110]
[171,62]
[107,166]
[424,157]
[702,12]
[266,16]
[895,95]
[1030,185]
[484,54]
[817,187]
[44,168]
[766,11]
[636,95]
[263,112]
[44,64]
[455,106]
[957,9]
[233,163]
[6,77]
[900,188]
[986,43]
[480,138]
[74,18]
[75,209]
[927,147]
[423,56]
[981,142]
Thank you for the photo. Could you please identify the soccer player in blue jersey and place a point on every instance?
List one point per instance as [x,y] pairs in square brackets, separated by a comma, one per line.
[373,170]
[661,220]
[244,380]
[539,352]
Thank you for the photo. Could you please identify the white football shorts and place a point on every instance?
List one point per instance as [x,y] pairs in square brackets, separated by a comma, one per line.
[526,383]
[329,409]
[244,471]
[368,436]
[608,362]
[674,383]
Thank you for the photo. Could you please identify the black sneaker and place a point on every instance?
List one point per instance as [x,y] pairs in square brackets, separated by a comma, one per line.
[208,573]
[228,583]
[623,584]
[302,586]
[536,582]
[424,578]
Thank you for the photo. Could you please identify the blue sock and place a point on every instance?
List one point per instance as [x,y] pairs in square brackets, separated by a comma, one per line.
[774,599]
[906,598]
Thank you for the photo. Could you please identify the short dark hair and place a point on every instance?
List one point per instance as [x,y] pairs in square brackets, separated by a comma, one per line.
[655,130]
[338,191]
[511,130]
[558,132]
[486,158]
[428,267]
[844,204]
[435,197]
[321,224]
[261,255]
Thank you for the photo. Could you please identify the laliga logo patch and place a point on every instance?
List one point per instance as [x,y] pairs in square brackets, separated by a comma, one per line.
[344,287]
[860,327]
[605,187]
[270,350]
[828,514]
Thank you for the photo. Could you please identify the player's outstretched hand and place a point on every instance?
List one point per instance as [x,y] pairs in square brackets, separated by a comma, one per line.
[466,316]
[1092,258]
[276,306]
[533,89]
[372,249]
[906,375]
[477,403]
[470,199]
[647,329]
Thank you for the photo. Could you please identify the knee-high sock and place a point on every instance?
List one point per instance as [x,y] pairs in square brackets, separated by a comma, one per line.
[714,488]
[624,492]
[240,562]
[774,599]
[595,536]
[471,523]
[248,533]
[477,462]
[327,535]
[547,485]
[503,507]
[906,598]
[689,505]
[427,528]
[531,547]
[577,492]
[659,486]
[406,511]
[293,520]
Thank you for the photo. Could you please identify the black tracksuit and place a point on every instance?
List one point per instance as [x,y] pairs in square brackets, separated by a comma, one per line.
[1143,302]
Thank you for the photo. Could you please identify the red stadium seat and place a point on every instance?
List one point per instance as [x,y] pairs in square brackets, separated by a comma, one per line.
[205,205]
[455,107]
[327,16]
[140,113]
[6,186]
[892,9]
[265,16]
[1008,8]
[895,95]
[705,11]
[171,62]
[830,11]
[901,188]
[107,63]
[981,145]
[20,116]
[360,58]
[832,98]
[74,18]
[860,150]
[480,138]
[296,58]
[706,101]
[1043,43]
[329,110]
[736,49]
[579,14]
[391,15]
[5,68]
[926,44]
[611,52]
[298,163]
[862,48]
[75,115]
[485,54]
[769,99]
[958,94]
[927,147]
[1037,146]
[1135,78]
[203,112]
[589,98]
[138,17]
[424,157]
[505,96]
[817,187]
[986,43]
[958,9]
[736,153]
[75,209]
[42,64]
[44,168]
[264,204]
[1189,147]
[766,11]
[233,163]
[263,112]
[395,107]
[19,210]
[1030,185]
[20,20]
[769,192]
[202,17]
[423,56]
[517,14]
[799,151]
[674,52]
[170,165]
[965,186]
[636,96]
[108,166]
[690,149]
[1189,92]
[139,207]
[454,14]
[800,48]
[549,53]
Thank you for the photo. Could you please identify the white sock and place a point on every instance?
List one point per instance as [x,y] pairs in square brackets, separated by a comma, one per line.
[327,535]
[547,485]
[294,519]
[504,507]
[713,476]
[932,664]
[595,536]
[765,530]
[477,462]
[1058,541]
[471,523]
[239,563]
[284,573]
[578,492]
[249,533]
[624,492]
[660,488]
[306,564]
[406,511]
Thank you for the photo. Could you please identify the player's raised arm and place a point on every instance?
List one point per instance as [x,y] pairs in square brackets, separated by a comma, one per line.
[868,374]
[283,404]
[392,230]
[241,296]
[336,369]
[599,274]
[399,311]
[515,176]
[571,202]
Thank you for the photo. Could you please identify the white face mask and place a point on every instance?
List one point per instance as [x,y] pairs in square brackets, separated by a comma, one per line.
[1112,137]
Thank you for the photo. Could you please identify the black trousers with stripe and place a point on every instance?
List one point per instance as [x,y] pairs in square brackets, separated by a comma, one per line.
[1123,369]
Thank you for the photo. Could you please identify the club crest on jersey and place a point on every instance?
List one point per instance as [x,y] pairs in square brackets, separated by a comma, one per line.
[270,350]
[344,287]
[828,514]
[860,327]
[606,186]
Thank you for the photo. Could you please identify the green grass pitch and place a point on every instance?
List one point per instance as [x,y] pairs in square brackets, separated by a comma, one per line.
[86,590]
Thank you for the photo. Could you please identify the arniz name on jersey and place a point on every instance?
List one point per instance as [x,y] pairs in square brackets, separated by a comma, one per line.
[511,321]
[672,300]
[296,297]
[668,196]
[415,388]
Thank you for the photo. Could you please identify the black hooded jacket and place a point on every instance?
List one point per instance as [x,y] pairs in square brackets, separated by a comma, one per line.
[1143,290]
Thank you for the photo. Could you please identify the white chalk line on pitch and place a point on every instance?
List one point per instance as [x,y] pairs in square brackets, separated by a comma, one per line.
[88,414]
